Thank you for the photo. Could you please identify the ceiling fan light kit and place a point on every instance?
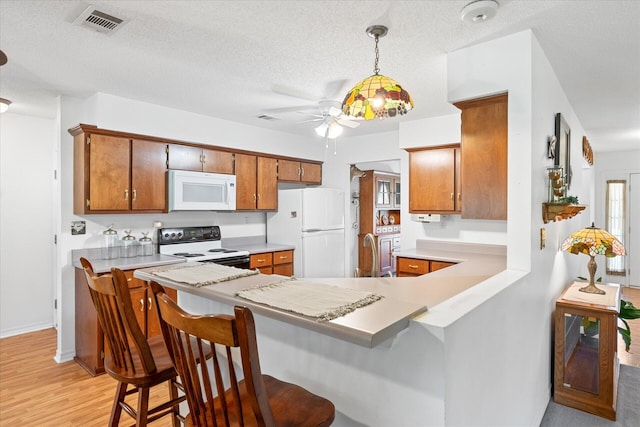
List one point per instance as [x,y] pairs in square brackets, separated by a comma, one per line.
[4,105]
[377,96]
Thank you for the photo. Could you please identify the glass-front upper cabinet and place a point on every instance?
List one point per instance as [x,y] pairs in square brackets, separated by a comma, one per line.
[396,193]
[383,192]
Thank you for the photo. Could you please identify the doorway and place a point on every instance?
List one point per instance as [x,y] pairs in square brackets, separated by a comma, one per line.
[374,214]
[633,246]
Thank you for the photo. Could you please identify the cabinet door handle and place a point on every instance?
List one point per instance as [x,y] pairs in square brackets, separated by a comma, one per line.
[459,196]
[134,194]
[414,267]
[126,194]
[261,260]
[451,196]
[283,257]
[255,197]
[141,304]
[150,304]
[301,171]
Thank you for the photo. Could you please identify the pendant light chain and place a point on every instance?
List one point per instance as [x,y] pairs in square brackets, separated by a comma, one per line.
[376,70]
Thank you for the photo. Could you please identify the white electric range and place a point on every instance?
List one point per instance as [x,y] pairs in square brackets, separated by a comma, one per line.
[202,243]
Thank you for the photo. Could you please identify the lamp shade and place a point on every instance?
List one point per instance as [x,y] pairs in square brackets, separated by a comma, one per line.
[377,96]
[593,241]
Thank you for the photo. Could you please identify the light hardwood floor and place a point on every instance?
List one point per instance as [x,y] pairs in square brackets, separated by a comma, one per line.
[37,391]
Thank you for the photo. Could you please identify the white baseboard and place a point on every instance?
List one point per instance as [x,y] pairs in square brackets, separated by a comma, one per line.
[5,333]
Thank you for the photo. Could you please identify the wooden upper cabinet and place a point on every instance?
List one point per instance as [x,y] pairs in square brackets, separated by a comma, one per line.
[116,174]
[256,182]
[184,157]
[484,161]
[148,175]
[296,171]
[434,181]
[267,183]
[108,167]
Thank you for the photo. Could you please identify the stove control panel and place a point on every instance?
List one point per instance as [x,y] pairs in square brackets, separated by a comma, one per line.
[188,234]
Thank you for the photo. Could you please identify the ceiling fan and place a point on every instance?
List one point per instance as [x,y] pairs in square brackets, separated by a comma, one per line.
[329,115]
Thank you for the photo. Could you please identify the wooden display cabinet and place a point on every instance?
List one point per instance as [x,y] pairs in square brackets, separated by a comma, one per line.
[586,358]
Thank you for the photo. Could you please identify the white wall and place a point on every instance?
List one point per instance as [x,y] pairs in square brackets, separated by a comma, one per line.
[506,342]
[26,226]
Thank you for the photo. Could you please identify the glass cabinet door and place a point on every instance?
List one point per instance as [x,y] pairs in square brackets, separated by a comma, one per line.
[383,197]
[581,352]
[396,194]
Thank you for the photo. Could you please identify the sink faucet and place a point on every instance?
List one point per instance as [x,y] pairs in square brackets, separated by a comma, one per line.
[374,253]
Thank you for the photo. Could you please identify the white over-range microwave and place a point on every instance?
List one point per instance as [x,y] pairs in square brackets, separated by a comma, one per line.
[201,191]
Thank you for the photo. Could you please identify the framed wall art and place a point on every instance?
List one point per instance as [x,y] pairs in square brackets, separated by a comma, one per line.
[563,148]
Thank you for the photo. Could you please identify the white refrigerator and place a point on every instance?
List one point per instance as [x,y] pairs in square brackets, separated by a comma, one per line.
[312,220]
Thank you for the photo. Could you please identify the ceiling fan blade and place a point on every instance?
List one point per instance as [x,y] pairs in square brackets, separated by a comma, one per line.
[294,109]
[335,88]
[335,112]
[348,123]
[294,93]
[312,120]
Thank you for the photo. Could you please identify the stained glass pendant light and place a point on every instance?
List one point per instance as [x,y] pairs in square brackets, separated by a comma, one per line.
[377,96]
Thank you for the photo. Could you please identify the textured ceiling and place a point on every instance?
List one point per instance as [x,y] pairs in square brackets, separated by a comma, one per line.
[237,60]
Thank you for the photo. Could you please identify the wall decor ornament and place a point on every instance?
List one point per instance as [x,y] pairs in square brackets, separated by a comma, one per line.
[587,152]
[563,148]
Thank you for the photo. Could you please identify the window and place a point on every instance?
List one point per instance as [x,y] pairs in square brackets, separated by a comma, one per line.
[615,218]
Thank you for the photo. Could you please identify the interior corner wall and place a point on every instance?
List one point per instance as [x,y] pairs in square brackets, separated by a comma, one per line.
[517,364]
[26,225]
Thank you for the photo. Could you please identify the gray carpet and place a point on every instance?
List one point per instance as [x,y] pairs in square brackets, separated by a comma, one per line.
[627,411]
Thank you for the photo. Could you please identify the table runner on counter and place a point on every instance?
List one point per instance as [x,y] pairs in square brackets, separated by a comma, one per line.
[203,274]
[318,300]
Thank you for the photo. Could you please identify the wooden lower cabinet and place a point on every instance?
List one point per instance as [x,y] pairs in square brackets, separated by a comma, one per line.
[278,262]
[408,267]
[90,344]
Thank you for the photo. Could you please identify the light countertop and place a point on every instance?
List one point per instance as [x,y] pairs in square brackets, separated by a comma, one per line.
[101,265]
[404,297]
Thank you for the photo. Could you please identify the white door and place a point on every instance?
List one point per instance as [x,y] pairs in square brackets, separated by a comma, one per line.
[323,209]
[322,254]
[633,246]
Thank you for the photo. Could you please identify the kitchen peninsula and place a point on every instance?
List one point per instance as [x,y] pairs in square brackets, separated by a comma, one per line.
[383,363]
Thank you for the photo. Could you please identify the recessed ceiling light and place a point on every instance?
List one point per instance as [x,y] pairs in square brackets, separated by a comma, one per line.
[479,11]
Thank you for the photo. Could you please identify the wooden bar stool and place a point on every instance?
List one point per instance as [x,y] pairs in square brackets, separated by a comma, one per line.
[256,400]
[132,360]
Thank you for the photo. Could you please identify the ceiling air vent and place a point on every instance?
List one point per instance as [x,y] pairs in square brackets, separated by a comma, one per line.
[99,21]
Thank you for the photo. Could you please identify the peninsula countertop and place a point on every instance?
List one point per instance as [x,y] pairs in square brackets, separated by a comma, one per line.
[404,297]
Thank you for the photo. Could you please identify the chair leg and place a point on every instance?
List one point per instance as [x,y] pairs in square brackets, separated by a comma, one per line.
[116,410]
[175,411]
[143,406]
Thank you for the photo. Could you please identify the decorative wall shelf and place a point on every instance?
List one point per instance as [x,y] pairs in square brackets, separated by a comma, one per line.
[559,211]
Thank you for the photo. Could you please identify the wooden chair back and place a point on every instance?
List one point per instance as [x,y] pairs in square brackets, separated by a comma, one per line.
[126,341]
[211,403]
